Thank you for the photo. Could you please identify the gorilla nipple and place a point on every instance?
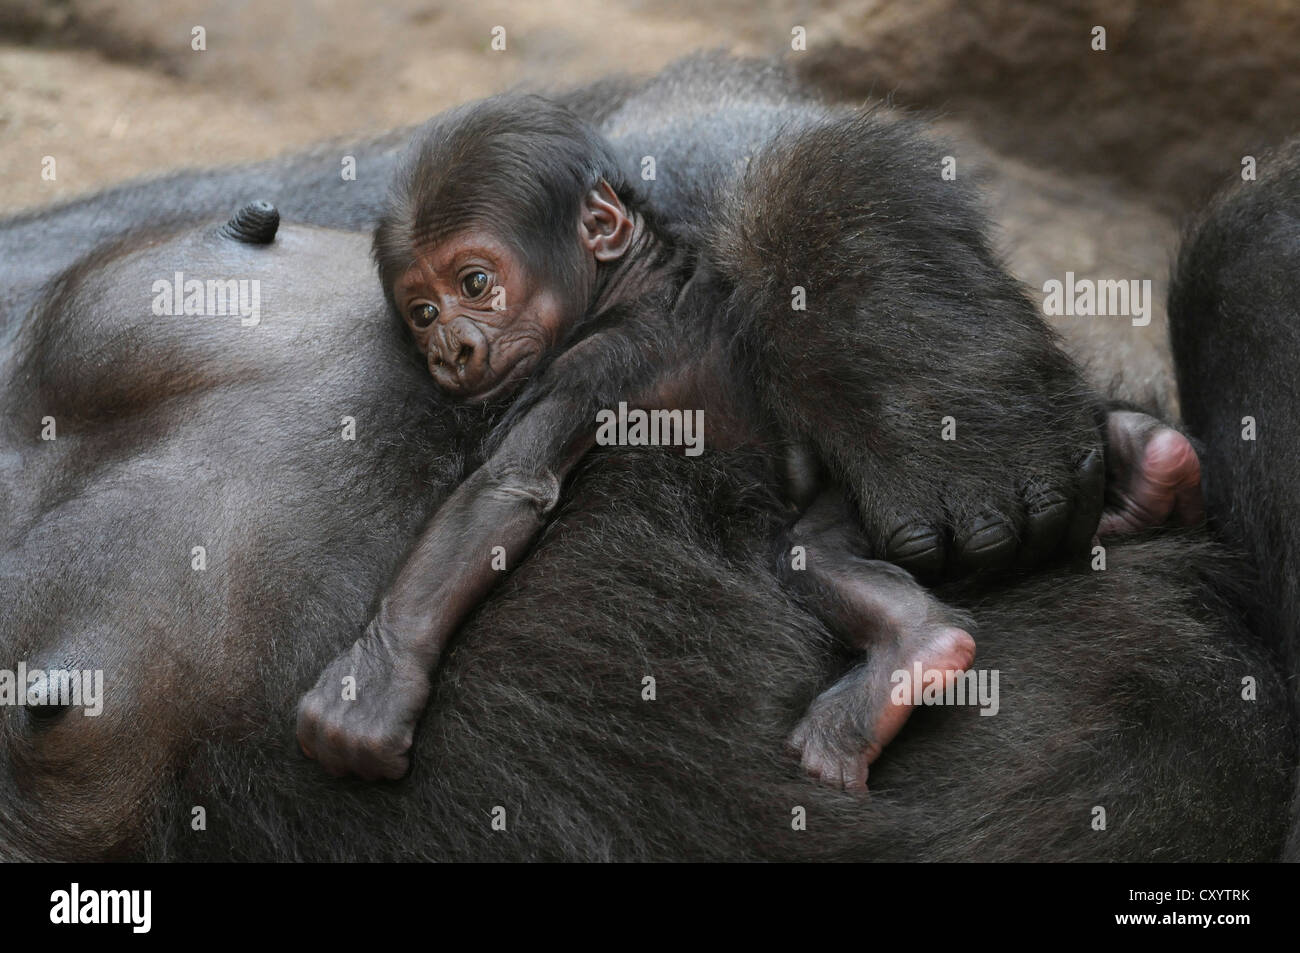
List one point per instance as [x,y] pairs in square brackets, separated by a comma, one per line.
[256,223]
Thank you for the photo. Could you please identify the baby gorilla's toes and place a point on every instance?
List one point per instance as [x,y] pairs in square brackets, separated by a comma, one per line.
[1154,476]
[986,542]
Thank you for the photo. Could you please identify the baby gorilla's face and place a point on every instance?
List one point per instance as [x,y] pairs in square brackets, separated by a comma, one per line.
[478,315]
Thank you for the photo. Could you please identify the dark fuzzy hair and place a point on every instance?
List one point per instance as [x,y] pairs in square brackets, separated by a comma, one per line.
[515,165]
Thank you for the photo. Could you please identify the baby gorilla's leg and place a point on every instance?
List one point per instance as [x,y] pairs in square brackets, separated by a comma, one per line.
[878,608]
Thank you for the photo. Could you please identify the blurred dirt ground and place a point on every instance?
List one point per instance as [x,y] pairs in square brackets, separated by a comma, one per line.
[1091,158]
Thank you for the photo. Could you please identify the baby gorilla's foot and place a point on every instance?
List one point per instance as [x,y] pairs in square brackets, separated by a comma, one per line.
[834,740]
[848,725]
[360,716]
[1153,475]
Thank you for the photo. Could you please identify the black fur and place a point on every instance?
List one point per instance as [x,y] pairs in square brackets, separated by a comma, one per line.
[911,319]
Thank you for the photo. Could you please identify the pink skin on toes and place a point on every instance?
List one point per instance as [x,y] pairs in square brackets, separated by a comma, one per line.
[1154,476]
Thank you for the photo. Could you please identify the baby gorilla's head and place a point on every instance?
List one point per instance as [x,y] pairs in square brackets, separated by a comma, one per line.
[494,235]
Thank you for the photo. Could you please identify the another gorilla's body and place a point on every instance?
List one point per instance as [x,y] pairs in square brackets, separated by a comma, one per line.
[1113,685]
[1234,311]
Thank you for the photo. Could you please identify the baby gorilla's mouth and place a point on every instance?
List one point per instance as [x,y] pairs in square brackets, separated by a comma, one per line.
[473,378]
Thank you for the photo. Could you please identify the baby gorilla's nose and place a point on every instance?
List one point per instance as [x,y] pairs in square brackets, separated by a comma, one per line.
[458,359]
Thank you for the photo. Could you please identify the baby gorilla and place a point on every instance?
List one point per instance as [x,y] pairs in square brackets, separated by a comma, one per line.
[526,267]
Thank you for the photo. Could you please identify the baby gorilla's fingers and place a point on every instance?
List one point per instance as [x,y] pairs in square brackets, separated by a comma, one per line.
[318,737]
[359,717]
[347,745]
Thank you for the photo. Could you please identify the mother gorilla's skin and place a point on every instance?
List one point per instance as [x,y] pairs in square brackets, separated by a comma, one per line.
[1118,689]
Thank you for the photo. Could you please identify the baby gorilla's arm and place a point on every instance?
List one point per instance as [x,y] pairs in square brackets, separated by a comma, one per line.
[368,730]
[367,727]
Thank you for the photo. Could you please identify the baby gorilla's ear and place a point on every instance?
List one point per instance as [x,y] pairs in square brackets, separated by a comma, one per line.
[604,226]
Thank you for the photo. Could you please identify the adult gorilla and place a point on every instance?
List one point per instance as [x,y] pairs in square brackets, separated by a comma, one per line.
[1234,312]
[1119,689]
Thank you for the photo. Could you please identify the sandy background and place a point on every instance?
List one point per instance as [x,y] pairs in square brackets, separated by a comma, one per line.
[1092,158]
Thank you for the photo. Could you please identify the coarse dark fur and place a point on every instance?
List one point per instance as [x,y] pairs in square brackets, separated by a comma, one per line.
[911,321]
[1234,319]
[546,718]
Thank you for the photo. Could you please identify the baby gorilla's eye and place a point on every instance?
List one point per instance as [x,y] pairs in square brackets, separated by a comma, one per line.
[423,315]
[474,284]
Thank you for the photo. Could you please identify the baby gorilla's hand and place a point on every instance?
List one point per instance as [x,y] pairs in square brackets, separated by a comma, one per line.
[360,716]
